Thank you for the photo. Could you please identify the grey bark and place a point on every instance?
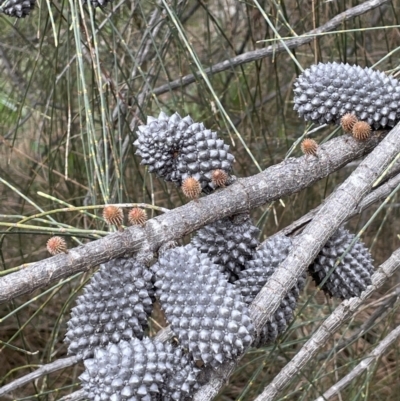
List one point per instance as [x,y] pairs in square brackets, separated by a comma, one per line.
[286,178]
[362,366]
[330,326]
[273,49]
[306,247]
[42,371]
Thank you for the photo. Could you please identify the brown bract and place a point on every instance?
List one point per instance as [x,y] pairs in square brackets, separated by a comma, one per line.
[361,130]
[309,147]
[191,188]
[347,122]
[219,178]
[113,215]
[56,245]
[137,216]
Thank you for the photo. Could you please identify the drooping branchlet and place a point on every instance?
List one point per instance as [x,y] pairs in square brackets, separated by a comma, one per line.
[56,245]
[114,216]
[137,216]
[309,147]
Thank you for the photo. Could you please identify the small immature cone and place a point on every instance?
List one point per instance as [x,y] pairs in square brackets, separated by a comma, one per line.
[56,245]
[309,147]
[347,122]
[361,130]
[191,188]
[137,216]
[114,215]
[219,178]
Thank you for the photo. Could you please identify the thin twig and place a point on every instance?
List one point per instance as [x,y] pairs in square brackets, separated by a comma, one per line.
[273,49]
[330,326]
[42,371]
[362,366]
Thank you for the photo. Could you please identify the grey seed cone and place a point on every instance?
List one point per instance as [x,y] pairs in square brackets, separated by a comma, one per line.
[181,379]
[98,3]
[352,275]
[176,148]
[229,242]
[258,270]
[133,370]
[206,312]
[17,8]
[326,92]
[115,306]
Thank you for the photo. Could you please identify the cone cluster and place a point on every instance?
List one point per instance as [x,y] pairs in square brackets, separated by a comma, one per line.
[206,313]
[115,306]
[176,148]
[229,243]
[144,370]
[324,93]
[258,271]
[353,273]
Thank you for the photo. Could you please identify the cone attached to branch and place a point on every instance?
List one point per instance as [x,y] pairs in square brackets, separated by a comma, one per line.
[325,93]
[350,266]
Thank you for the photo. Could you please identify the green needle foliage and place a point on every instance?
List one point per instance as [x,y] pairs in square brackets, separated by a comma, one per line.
[77,80]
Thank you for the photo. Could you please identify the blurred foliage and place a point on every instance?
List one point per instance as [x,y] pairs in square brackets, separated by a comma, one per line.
[76,82]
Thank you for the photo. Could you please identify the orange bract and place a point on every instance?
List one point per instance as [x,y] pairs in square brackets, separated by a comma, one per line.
[219,178]
[113,215]
[309,147]
[361,130]
[137,216]
[56,245]
[347,122]
[191,188]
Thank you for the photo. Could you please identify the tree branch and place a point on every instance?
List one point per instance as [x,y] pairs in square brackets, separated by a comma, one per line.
[362,366]
[42,371]
[306,247]
[330,326]
[283,179]
[273,49]
[379,314]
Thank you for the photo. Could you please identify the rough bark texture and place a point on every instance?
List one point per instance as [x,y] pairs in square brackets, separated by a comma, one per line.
[288,177]
[274,49]
[306,247]
[330,326]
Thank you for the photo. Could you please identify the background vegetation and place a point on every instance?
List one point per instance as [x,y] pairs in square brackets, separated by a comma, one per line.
[74,85]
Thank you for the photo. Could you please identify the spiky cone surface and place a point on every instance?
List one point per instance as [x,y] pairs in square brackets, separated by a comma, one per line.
[309,147]
[182,377]
[115,306]
[176,148]
[229,242]
[258,271]
[353,273]
[17,8]
[324,93]
[206,312]
[56,245]
[137,216]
